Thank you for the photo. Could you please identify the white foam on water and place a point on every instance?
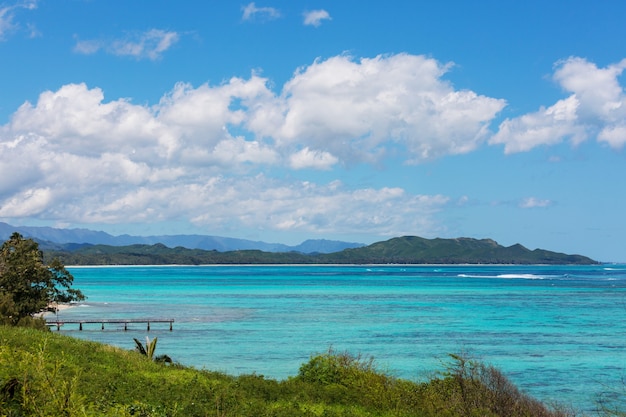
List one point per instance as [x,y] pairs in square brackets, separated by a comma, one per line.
[508,276]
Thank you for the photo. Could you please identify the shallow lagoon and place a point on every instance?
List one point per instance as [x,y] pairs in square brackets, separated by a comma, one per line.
[556,331]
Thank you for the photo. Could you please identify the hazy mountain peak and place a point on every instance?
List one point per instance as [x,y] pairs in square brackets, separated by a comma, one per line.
[205,242]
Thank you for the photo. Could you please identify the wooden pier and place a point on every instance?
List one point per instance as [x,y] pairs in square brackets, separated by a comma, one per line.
[102,322]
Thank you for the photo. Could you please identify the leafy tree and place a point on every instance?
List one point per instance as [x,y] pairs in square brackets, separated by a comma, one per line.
[28,285]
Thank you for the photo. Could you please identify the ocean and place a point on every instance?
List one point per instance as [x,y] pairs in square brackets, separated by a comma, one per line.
[558,332]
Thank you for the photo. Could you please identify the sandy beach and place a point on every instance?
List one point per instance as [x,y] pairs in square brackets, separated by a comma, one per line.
[55,306]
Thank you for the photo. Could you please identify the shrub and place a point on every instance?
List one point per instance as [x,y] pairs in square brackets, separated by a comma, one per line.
[352,380]
[336,368]
[471,388]
[38,386]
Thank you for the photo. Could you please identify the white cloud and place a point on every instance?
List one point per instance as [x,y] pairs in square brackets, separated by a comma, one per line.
[74,119]
[307,158]
[596,107]
[7,18]
[186,128]
[27,203]
[232,152]
[251,12]
[597,89]
[333,111]
[545,127]
[89,47]
[357,110]
[6,21]
[533,202]
[315,17]
[112,189]
[614,135]
[145,45]
[204,153]
[305,207]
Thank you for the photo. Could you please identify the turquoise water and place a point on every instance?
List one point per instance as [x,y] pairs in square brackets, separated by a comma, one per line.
[557,332]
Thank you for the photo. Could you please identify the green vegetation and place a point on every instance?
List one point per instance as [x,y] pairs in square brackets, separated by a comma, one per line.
[47,374]
[160,254]
[402,250]
[149,349]
[28,285]
[417,250]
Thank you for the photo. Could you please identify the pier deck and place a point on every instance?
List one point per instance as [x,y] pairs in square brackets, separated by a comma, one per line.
[102,322]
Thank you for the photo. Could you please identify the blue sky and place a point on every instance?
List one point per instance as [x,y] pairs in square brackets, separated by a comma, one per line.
[290,120]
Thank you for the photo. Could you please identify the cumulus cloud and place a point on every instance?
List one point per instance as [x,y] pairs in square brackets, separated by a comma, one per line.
[315,17]
[7,17]
[596,107]
[204,152]
[145,45]
[357,110]
[544,127]
[252,12]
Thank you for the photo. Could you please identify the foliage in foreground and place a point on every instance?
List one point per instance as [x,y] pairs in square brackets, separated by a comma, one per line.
[46,374]
[149,349]
[28,285]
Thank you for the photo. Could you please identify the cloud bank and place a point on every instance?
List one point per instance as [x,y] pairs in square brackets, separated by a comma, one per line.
[216,155]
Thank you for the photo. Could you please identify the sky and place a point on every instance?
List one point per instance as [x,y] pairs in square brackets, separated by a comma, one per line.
[283,120]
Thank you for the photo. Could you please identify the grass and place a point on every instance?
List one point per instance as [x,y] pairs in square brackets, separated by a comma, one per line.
[47,374]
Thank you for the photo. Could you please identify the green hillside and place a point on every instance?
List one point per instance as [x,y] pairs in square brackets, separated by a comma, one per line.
[401,250]
[47,374]
[161,255]
[417,250]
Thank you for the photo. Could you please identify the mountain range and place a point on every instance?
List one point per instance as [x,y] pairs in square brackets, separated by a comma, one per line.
[63,239]
[87,247]
[400,250]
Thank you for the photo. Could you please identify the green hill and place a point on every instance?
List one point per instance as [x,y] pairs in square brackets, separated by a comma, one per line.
[417,250]
[400,250]
[47,374]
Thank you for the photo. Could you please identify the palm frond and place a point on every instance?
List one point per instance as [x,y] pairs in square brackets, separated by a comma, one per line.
[139,347]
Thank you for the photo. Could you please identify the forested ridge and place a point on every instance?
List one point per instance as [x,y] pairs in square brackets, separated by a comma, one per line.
[400,250]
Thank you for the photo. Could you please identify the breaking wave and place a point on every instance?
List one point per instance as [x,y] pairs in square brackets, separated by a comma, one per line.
[511,276]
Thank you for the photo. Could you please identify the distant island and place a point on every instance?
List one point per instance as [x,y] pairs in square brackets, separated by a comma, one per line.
[400,250]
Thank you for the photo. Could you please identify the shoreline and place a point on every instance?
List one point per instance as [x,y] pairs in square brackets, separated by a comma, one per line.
[334,264]
[54,308]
